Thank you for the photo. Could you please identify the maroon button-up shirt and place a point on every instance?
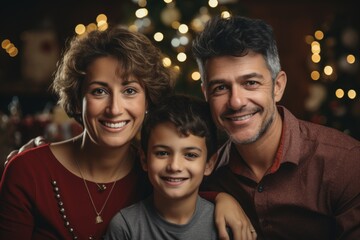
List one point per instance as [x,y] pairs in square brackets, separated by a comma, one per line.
[312,190]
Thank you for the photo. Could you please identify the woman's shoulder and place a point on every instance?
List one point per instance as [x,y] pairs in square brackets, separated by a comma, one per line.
[30,154]
[30,160]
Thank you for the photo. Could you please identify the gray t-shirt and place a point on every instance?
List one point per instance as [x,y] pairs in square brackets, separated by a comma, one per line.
[141,222]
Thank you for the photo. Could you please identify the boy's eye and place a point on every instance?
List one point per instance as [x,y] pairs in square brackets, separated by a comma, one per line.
[191,155]
[161,153]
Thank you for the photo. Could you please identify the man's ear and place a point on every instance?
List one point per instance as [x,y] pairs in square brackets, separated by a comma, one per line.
[203,89]
[143,160]
[280,84]
[210,164]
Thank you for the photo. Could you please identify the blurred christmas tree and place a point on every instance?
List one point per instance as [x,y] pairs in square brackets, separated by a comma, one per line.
[172,26]
[334,98]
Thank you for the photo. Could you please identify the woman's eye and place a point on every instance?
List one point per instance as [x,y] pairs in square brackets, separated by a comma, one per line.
[98,91]
[130,91]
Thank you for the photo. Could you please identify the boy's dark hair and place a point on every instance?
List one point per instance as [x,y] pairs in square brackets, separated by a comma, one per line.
[190,115]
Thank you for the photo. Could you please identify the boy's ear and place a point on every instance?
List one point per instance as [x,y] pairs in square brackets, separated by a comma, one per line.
[143,160]
[210,164]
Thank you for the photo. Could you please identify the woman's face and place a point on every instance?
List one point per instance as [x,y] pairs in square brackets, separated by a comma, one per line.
[113,108]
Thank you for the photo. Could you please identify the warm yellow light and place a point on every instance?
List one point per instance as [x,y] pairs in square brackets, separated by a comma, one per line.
[102,26]
[91,27]
[225,14]
[167,1]
[315,58]
[158,36]
[13,52]
[166,62]
[315,47]
[142,3]
[195,76]
[80,29]
[141,12]
[175,24]
[9,47]
[319,35]
[101,17]
[213,3]
[181,57]
[176,69]
[328,70]
[351,93]
[5,43]
[183,28]
[339,93]
[350,59]
[133,28]
[315,75]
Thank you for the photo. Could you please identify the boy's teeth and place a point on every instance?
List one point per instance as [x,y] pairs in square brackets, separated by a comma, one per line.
[174,179]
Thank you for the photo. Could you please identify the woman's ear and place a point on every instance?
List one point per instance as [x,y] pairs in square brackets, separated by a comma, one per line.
[143,160]
[210,164]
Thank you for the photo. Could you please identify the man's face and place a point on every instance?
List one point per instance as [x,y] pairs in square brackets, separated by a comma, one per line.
[242,95]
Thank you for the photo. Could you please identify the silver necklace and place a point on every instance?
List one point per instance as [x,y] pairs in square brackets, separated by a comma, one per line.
[102,187]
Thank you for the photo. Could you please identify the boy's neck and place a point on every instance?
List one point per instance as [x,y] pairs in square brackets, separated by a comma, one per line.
[176,211]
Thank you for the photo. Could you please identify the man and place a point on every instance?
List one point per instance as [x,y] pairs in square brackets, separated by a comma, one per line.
[294,179]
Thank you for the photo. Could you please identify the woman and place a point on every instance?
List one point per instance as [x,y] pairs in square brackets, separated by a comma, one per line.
[106,81]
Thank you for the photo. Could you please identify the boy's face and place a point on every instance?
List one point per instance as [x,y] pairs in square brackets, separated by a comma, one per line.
[175,164]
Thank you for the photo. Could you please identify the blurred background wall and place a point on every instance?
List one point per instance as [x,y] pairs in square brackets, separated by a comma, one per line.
[318,43]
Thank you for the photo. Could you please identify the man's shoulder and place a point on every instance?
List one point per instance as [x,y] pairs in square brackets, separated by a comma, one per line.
[316,133]
[328,136]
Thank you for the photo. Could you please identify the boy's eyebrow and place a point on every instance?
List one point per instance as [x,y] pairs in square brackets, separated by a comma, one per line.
[187,148]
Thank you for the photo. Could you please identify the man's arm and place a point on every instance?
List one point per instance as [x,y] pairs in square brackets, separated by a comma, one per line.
[38,141]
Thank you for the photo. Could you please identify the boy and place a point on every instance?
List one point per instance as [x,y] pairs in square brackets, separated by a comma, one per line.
[178,138]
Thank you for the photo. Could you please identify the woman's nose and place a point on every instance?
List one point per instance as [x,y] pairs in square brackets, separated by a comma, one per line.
[115,105]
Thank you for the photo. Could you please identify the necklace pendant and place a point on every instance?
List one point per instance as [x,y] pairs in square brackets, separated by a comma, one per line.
[102,187]
[98,219]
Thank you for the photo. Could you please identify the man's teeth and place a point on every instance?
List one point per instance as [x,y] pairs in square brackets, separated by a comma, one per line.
[242,117]
[115,125]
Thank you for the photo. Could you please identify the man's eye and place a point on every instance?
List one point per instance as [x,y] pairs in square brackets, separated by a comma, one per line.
[251,83]
[219,89]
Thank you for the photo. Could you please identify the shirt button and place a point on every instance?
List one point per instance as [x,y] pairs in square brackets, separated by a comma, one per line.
[260,188]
